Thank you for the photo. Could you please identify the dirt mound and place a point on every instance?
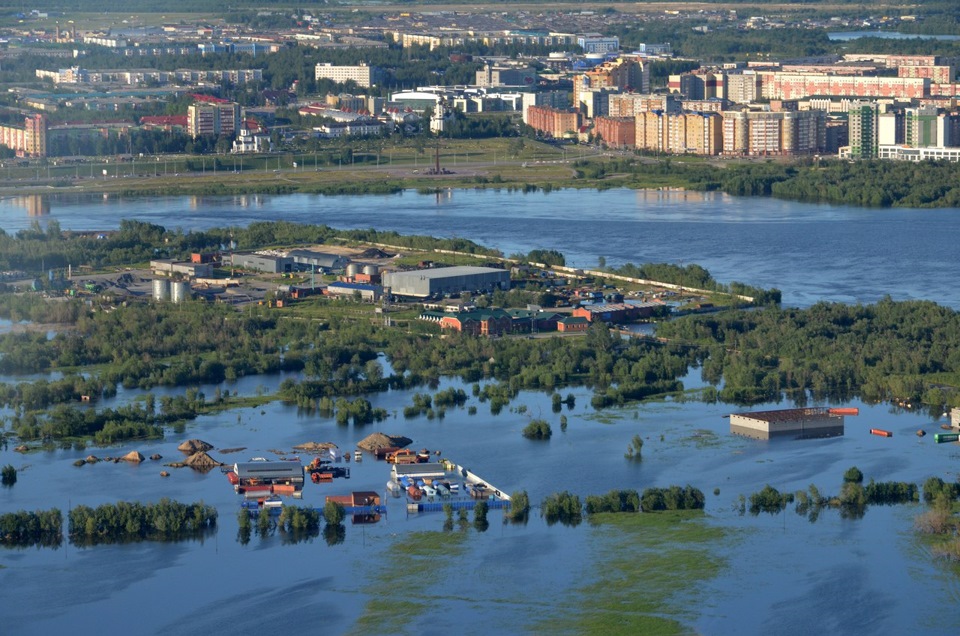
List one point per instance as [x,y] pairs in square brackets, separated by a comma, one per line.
[192,446]
[314,447]
[376,441]
[373,252]
[201,461]
[133,457]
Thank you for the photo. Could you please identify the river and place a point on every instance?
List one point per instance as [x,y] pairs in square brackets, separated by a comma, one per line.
[780,574]
[810,252]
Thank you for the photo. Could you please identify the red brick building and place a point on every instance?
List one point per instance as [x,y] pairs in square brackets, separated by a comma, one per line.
[492,322]
[616,132]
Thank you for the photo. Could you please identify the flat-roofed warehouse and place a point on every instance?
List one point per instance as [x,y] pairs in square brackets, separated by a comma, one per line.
[424,283]
[798,423]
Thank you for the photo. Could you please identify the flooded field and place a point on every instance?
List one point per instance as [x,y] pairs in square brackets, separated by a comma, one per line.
[868,572]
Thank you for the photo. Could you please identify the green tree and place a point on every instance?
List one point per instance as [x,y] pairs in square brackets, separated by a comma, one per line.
[480,522]
[8,476]
[519,507]
[538,429]
[853,475]
[634,449]
[333,513]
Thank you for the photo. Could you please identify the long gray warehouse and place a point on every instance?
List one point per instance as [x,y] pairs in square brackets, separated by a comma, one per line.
[798,423]
[423,283]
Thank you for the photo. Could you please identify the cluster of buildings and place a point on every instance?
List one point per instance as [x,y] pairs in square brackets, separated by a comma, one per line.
[868,106]
[497,322]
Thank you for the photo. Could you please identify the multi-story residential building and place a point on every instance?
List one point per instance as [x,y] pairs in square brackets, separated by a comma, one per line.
[554,99]
[920,127]
[462,38]
[777,85]
[363,75]
[498,75]
[680,133]
[768,132]
[554,122]
[936,74]
[743,87]
[629,74]
[77,75]
[595,102]
[651,133]
[863,129]
[30,140]
[616,132]
[631,104]
[890,128]
[698,85]
[213,118]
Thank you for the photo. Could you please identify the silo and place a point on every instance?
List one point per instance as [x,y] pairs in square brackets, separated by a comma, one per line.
[161,289]
[371,270]
[353,269]
[179,291]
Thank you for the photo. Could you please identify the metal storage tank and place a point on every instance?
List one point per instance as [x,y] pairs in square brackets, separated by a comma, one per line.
[353,269]
[179,291]
[371,270]
[161,289]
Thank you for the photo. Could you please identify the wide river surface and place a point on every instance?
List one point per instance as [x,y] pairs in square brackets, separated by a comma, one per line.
[810,252]
[778,574]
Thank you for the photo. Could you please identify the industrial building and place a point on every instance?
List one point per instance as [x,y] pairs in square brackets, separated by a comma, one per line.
[323,262]
[260,473]
[269,263]
[424,283]
[366,293]
[168,267]
[617,312]
[797,423]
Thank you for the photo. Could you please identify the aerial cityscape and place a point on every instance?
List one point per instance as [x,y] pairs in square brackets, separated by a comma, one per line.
[367,315]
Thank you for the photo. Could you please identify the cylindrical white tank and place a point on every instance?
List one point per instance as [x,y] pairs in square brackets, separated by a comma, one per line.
[161,289]
[179,291]
[353,269]
[371,270]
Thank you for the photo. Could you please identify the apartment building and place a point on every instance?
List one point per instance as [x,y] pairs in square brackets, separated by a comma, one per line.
[362,74]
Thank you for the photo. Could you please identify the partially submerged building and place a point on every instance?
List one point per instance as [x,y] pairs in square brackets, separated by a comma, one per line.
[797,423]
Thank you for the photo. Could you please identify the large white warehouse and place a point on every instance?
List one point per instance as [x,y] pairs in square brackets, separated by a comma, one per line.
[441,281]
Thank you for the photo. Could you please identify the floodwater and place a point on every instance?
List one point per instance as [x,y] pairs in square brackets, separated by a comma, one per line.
[782,574]
[848,573]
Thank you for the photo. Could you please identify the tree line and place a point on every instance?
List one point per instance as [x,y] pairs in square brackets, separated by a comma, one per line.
[887,351]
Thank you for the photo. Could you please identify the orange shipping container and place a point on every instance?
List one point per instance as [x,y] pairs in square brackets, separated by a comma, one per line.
[845,411]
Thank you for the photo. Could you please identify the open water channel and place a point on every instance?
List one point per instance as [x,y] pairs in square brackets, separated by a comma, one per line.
[780,574]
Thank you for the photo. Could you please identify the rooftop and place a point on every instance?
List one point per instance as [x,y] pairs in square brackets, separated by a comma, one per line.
[444,272]
[787,415]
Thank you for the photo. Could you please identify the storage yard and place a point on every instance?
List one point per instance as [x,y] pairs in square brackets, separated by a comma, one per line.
[423,486]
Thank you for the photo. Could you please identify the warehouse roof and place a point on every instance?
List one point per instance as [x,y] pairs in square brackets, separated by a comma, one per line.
[785,415]
[444,272]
